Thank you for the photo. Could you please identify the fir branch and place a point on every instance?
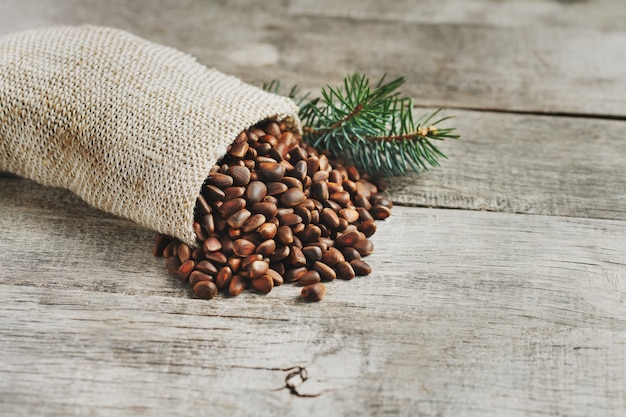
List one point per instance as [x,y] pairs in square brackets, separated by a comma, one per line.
[372,127]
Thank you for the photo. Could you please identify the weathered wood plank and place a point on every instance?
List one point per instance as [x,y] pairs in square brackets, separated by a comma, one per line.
[521,164]
[596,14]
[526,164]
[528,69]
[467,313]
[520,69]
[52,238]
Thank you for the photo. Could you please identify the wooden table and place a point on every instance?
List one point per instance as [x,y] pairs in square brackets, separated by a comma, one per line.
[499,284]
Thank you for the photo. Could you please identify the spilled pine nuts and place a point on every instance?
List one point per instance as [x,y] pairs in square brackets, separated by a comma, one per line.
[276,210]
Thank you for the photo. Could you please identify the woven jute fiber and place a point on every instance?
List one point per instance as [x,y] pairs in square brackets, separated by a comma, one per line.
[130,126]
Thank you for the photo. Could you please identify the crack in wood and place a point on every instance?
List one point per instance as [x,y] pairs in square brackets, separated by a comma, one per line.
[296,377]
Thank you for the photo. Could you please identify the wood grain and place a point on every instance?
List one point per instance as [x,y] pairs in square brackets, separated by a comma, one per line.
[466,313]
[541,69]
[526,164]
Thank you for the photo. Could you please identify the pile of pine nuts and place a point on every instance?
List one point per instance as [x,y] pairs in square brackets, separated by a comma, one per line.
[276,210]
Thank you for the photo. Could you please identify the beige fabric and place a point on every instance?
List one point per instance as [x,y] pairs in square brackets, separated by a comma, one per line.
[130,126]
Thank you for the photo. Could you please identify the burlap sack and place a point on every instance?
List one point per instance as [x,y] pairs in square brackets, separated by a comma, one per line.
[130,126]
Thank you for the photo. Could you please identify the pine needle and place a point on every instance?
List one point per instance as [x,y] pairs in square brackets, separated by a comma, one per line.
[372,127]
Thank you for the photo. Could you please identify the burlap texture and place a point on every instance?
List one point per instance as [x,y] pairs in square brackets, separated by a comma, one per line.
[130,126]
